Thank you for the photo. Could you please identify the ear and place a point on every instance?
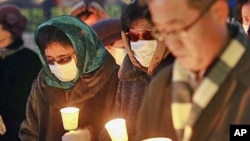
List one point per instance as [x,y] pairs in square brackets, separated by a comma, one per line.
[220,11]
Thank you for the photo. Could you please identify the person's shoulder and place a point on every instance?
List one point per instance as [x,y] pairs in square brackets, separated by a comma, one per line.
[159,84]
[28,50]
[29,58]
[25,51]
[30,53]
[38,84]
[161,79]
[164,73]
[109,65]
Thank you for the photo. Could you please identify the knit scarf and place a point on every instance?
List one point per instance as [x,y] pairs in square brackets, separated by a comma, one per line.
[187,103]
[7,52]
[14,47]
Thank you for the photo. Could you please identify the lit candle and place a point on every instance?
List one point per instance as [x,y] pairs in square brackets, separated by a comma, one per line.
[117,129]
[70,117]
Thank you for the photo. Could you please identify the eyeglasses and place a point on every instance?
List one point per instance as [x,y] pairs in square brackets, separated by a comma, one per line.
[143,35]
[159,35]
[61,61]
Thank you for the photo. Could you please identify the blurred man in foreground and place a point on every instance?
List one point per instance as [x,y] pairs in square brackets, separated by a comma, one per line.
[207,88]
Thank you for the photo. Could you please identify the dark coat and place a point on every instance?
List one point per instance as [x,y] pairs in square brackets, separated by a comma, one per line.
[17,72]
[130,93]
[230,105]
[93,93]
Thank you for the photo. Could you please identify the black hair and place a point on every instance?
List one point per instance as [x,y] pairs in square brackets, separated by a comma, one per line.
[133,12]
[50,34]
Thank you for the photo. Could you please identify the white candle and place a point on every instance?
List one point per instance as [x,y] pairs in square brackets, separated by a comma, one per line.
[117,129]
[70,117]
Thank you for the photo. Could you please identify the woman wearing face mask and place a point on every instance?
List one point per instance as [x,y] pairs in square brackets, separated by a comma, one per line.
[77,71]
[109,33]
[146,56]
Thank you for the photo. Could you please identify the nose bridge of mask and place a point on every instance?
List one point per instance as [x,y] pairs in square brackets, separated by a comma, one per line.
[63,67]
[144,46]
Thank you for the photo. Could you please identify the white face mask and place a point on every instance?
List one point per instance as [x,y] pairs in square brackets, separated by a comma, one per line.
[144,51]
[245,27]
[119,54]
[66,72]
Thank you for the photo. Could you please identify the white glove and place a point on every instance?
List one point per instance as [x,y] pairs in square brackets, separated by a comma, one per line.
[2,126]
[77,135]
